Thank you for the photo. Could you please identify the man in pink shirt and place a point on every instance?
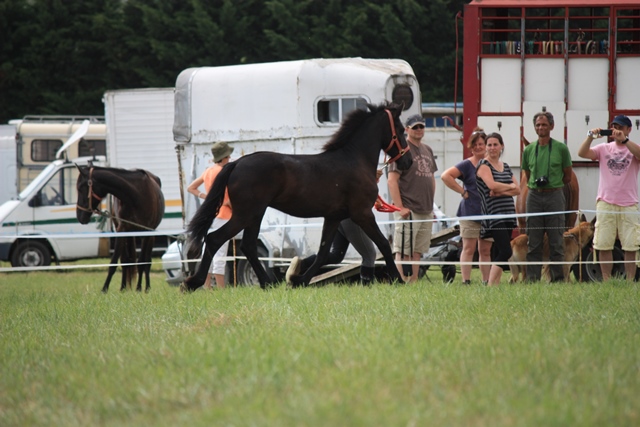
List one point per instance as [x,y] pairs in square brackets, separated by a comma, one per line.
[617,200]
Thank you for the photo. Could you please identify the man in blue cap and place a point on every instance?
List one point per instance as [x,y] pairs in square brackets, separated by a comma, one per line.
[412,191]
[617,200]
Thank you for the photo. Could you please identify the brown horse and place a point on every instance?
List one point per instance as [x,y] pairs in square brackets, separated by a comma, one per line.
[571,196]
[140,207]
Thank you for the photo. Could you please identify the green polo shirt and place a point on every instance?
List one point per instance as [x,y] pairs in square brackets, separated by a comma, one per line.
[539,165]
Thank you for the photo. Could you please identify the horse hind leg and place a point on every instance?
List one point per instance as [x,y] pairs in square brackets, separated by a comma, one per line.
[144,267]
[249,247]
[129,258]
[213,241]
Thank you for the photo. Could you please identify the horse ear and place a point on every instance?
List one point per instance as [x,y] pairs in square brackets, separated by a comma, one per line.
[583,218]
[593,221]
[82,171]
[396,109]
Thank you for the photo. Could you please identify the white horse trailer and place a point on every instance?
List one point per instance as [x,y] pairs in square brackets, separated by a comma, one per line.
[288,107]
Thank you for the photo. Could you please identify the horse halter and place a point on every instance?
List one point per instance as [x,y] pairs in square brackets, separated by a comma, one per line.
[395,141]
[91,195]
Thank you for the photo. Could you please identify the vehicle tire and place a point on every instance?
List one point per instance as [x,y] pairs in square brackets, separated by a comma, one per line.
[31,253]
[245,274]
[593,270]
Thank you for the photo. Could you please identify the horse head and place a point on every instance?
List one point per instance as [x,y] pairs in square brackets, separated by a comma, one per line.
[397,148]
[88,200]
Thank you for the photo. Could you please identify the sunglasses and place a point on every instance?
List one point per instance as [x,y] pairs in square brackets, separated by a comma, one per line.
[417,127]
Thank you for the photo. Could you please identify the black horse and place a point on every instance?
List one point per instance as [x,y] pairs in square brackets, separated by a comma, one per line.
[140,207]
[338,183]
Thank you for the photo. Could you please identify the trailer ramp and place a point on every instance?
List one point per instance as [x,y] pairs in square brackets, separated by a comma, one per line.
[346,272]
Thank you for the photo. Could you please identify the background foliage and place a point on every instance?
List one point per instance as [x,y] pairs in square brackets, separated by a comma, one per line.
[59,57]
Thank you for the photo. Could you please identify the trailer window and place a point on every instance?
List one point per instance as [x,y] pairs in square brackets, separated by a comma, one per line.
[44,150]
[92,147]
[334,110]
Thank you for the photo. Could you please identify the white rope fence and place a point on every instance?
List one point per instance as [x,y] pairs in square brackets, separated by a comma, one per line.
[177,232]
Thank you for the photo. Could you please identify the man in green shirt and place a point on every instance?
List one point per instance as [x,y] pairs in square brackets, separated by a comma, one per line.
[547,166]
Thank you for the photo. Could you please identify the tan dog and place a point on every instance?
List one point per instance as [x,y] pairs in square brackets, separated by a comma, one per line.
[574,240]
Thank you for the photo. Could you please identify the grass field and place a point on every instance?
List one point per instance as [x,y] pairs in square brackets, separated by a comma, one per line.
[409,355]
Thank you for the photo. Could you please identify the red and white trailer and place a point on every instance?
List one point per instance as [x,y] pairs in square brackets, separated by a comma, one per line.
[578,59]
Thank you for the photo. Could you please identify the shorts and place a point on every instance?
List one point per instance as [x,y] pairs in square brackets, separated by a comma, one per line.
[219,264]
[469,229]
[417,232]
[623,224]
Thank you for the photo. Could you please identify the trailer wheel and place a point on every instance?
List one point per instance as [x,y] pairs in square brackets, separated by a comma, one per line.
[593,270]
[246,276]
[575,268]
[31,253]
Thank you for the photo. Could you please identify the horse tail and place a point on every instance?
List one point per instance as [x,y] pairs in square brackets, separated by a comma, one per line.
[202,220]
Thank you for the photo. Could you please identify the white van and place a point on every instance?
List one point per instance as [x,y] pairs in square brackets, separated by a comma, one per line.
[41,225]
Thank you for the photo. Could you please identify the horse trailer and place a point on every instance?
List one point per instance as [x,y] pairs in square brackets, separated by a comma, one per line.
[291,107]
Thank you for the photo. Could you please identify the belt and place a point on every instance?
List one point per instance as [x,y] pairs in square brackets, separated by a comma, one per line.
[545,190]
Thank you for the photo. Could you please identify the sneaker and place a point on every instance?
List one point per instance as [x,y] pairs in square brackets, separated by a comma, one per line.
[293,270]
[466,282]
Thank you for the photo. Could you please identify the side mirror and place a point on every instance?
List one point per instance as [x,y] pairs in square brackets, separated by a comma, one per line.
[36,201]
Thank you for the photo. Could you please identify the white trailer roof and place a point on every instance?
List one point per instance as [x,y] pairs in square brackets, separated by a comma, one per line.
[275,100]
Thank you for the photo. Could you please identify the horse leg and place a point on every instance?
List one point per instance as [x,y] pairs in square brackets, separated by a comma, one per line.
[145,263]
[129,256]
[329,230]
[249,247]
[113,264]
[213,241]
[370,227]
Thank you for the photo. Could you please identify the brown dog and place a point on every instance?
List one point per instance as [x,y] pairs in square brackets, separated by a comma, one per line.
[574,240]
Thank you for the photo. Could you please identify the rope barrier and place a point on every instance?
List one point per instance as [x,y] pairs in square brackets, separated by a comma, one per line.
[180,236]
[286,261]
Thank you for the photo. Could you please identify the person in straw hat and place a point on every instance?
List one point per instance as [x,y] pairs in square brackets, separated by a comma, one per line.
[221,155]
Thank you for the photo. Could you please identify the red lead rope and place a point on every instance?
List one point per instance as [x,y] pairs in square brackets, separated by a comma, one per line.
[382,206]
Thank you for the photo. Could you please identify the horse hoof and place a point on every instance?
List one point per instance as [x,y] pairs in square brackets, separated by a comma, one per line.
[190,284]
[293,270]
[297,282]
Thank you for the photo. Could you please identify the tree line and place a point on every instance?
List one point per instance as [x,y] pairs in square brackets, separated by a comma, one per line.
[59,57]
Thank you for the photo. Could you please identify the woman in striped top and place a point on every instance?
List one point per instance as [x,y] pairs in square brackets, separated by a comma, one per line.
[497,186]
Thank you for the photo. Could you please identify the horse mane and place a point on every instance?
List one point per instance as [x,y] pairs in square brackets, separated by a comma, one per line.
[129,172]
[351,125]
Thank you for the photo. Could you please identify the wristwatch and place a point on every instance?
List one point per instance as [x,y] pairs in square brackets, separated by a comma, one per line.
[591,134]
[625,140]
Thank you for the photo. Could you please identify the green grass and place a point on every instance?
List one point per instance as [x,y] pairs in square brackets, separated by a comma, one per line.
[425,354]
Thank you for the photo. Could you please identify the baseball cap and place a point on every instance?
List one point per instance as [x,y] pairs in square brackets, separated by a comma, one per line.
[416,118]
[622,120]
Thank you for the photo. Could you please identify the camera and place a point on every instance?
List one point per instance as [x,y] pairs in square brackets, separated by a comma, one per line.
[542,181]
[606,132]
